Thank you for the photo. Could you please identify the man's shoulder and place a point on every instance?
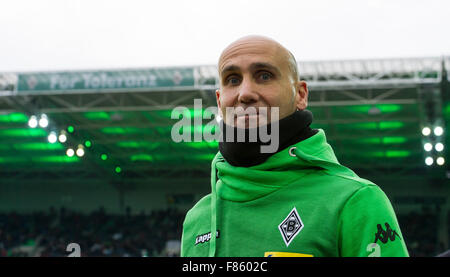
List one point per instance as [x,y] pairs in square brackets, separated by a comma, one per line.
[199,210]
[355,182]
[349,180]
[360,189]
[341,186]
[196,222]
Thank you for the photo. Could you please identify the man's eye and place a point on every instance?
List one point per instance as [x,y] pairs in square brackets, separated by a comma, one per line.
[233,80]
[265,76]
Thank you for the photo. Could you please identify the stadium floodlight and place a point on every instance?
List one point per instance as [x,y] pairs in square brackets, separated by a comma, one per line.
[32,123]
[439,147]
[80,151]
[62,137]
[43,121]
[426,131]
[438,131]
[428,146]
[440,161]
[52,137]
[70,152]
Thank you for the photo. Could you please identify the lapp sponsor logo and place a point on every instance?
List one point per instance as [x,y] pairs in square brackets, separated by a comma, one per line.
[205,237]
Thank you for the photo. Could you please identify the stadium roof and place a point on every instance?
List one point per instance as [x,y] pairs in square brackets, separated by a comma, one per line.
[373,112]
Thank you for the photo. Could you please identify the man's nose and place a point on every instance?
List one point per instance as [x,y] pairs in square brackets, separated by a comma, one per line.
[247,92]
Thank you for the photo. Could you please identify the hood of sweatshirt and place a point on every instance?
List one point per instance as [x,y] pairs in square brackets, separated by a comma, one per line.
[241,184]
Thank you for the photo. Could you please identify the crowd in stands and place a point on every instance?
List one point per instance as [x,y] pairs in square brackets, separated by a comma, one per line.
[420,231]
[47,234]
[158,233]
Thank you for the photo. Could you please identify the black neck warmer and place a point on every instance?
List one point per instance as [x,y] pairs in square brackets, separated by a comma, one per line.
[292,129]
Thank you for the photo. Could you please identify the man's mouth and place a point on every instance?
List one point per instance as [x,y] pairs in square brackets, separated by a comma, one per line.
[249,112]
[252,120]
[247,116]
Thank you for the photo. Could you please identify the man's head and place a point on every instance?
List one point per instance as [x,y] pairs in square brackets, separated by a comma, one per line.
[256,71]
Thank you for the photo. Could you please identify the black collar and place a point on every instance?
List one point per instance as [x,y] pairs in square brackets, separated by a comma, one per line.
[292,129]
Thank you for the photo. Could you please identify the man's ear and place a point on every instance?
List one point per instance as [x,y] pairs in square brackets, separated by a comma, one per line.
[218,102]
[301,97]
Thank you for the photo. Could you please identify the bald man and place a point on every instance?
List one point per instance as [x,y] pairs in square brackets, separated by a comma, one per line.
[296,200]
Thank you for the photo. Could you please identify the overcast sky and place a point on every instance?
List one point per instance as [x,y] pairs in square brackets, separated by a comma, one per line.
[93,34]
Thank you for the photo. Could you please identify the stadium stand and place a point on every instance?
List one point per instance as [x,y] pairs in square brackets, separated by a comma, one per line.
[420,231]
[47,234]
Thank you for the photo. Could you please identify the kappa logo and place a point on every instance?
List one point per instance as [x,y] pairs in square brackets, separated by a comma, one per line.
[291,226]
[385,236]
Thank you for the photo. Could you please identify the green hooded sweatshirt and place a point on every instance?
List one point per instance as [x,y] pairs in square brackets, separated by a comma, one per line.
[299,202]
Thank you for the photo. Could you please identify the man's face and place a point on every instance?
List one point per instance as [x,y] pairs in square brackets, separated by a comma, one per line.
[255,73]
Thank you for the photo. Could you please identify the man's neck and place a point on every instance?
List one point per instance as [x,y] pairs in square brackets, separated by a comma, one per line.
[292,129]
